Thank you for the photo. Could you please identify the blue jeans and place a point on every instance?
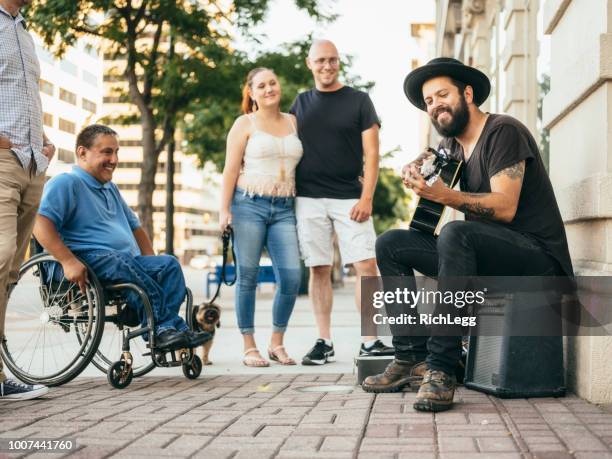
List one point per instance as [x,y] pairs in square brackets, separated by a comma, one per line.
[258,222]
[159,276]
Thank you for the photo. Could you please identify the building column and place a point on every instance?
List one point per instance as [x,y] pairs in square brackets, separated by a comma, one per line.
[578,113]
[479,47]
[519,61]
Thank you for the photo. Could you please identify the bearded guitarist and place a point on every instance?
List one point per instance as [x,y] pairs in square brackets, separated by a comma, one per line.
[512,224]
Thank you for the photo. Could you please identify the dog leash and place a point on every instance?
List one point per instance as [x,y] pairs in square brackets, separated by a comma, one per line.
[228,243]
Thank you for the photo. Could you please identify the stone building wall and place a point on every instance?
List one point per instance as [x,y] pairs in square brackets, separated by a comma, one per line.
[500,38]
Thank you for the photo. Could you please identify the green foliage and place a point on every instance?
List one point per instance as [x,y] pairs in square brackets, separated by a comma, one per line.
[254,11]
[198,87]
[213,113]
[175,56]
[390,201]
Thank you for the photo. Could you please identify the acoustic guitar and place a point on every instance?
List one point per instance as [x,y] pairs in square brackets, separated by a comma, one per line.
[428,215]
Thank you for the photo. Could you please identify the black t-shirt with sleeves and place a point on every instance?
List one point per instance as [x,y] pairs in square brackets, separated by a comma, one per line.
[506,141]
[330,126]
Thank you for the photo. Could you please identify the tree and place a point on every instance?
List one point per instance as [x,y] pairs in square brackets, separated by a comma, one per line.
[391,201]
[161,85]
[206,129]
[212,117]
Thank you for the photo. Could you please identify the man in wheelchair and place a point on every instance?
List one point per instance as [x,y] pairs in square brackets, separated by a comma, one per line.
[83,216]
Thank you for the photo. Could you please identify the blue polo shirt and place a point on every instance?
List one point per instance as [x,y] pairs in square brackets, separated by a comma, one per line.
[89,215]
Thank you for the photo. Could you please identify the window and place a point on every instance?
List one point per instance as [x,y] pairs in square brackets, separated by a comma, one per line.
[127,186]
[203,232]
[89,49]
[113,78]
[136,186]
[68,96]
[44,55]
[129,164]
[188,210]
[48,119]
[67,126]
[89,105]
[65,155]
[161,166]
[90,78]
[130,143]
[113,99]
[69,67]
[46,87]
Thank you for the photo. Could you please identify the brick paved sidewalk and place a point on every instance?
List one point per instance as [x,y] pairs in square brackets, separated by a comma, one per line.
[262,416]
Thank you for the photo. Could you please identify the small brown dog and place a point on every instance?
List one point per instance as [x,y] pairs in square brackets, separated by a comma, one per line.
[207,318]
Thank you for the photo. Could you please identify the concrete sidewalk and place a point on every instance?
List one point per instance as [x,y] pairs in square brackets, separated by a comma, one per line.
[265,416]
[226,353]
[233,411]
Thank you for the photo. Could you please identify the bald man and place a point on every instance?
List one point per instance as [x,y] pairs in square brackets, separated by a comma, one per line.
[338,127]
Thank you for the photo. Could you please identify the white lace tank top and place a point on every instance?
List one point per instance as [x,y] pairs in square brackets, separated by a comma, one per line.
[269,162]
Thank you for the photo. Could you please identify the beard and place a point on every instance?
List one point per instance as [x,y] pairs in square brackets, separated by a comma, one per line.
[460,117]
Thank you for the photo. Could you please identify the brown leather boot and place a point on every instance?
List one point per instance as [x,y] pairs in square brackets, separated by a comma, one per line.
[436,392]
[397,375]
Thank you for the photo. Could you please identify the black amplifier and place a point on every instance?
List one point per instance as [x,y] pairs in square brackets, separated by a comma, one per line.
[514,366]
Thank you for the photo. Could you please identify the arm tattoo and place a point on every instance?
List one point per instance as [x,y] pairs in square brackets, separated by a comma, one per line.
[477,209]
[516,171]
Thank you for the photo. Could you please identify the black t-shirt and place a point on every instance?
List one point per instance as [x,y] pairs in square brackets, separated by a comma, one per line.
[506,141]
[330,126]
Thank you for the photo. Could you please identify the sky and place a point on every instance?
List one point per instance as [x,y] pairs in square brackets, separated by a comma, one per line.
[377,35]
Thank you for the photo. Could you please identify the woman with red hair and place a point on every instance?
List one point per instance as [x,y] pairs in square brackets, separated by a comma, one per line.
[257,200]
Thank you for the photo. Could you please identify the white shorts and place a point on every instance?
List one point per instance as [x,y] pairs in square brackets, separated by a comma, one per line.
[318,218]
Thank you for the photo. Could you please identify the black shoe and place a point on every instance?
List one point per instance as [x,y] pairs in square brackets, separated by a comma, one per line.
[376,349]
[198,338]
[320,354]
[172,339]
[15,390]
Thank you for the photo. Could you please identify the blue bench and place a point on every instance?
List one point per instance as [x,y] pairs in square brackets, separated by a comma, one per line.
[265,275]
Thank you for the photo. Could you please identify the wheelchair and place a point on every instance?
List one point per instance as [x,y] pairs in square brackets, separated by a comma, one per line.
[53,330]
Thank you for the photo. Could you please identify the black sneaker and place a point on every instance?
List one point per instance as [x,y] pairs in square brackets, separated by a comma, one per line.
[171,340]
[320,354]
[198,338]
[376,349]
[15,390]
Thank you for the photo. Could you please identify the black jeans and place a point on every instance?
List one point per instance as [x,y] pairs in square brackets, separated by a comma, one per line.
[463,248]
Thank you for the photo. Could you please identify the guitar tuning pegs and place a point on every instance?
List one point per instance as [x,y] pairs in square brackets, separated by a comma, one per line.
[444,153]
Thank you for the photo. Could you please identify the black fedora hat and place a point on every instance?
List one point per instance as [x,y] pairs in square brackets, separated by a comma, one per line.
[445,66]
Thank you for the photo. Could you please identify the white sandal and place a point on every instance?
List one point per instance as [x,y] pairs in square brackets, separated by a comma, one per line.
[272,355]
[254,361]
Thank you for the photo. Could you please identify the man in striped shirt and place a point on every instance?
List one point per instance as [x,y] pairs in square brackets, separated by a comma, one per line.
[25,153]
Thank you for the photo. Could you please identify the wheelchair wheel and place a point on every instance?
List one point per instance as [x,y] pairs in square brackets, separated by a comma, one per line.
[43,310]
[193,370]
[110,349]
[119,376]
[189,309]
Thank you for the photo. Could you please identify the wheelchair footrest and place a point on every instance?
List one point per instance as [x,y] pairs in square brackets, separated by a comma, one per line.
[178,357]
